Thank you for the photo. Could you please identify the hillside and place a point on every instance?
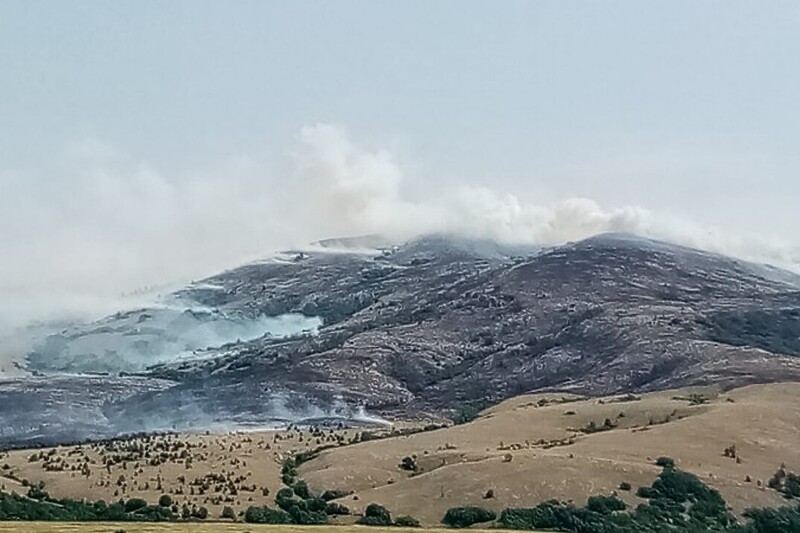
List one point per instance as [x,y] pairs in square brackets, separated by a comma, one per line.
[423,329]
[525,450]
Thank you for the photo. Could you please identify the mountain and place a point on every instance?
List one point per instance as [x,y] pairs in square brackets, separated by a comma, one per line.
[425,328]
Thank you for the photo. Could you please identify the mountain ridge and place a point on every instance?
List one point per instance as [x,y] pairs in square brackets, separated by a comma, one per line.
[437,324]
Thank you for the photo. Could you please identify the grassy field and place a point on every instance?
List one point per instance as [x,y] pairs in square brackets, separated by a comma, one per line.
[516,454]
[57,527]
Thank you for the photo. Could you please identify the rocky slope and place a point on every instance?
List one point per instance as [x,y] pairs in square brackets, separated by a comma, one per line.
[439,324]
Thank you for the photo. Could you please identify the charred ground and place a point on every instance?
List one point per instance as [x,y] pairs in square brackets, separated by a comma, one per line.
[439,324]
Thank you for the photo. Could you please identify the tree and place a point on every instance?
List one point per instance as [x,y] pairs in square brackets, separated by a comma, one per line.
[165,501]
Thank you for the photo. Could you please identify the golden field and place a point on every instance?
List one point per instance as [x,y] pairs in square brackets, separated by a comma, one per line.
[525,450]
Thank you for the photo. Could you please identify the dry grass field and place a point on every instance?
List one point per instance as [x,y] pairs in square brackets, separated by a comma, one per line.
[519,453]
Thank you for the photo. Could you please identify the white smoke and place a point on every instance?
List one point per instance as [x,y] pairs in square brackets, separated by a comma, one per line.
[355,191]
[97,223]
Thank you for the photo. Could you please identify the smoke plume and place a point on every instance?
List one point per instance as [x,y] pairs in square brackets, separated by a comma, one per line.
[98,224]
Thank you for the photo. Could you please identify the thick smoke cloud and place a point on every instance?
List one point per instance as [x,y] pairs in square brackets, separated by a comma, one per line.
[94,229]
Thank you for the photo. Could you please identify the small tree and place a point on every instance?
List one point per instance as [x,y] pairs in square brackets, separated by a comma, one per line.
[165,501]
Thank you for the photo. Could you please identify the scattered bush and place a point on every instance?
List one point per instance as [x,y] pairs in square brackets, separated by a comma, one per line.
[678,502]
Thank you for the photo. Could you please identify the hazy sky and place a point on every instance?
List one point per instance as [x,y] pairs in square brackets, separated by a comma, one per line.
[144,140]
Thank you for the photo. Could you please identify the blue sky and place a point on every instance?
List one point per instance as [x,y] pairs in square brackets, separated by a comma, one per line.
[688,109]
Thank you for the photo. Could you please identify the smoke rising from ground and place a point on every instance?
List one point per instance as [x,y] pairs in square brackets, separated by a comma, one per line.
[96,223]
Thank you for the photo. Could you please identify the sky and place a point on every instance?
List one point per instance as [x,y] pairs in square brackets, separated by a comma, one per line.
[147,143]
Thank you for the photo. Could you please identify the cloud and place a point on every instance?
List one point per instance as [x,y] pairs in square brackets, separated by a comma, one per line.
[101,222]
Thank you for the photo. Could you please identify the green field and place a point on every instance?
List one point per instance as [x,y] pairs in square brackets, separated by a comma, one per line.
[129,527]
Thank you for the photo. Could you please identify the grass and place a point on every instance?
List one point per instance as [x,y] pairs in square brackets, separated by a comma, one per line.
[211,527]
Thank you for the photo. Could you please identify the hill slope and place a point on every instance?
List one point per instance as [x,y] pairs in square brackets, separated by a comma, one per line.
[428,327]
[526,450]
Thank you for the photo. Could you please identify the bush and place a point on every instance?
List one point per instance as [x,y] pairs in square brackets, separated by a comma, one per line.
[665,462]
[305,517]
[265,515]
[37,493]
[316,505]
[773,520]
[301,490]
[228,512]
[334,508]
[467,516]
[376,515]
[466,414]
[285,499]
[134,504]
[605,504]
[406,521]
[329,495]
[625,486]
[201,513]
[165,501]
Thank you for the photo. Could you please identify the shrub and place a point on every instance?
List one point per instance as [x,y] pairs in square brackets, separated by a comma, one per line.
[406,521]
[466,414]
[285,499]
[376,515]
[134,504]
[35,492]
[665,462]
[316,505]
[791,487]
[265,515]
[329,495]
[773,520]
[305,517]
[605,504]
[467,516]
[165,501]
[625,486]
[301,490]
[228,512]
[408,463]
[334,508]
